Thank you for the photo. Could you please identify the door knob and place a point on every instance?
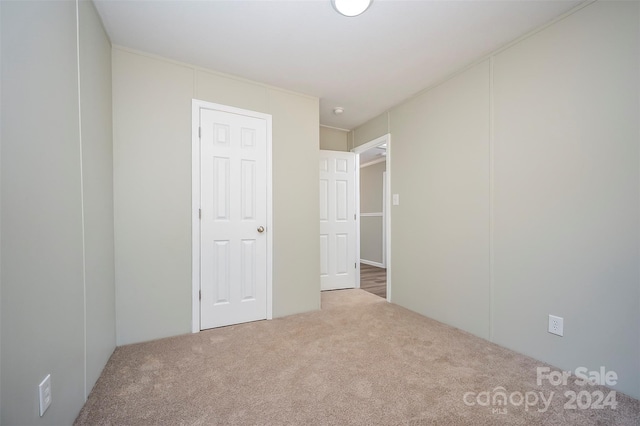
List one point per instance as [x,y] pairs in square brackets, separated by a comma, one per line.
[261,229]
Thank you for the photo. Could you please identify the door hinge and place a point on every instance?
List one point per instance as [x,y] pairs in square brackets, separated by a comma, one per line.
[354,216]
[199,294]
[199,132]
[355,265]
[199,213]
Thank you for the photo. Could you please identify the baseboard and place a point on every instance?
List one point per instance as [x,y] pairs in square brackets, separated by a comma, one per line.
[371,263]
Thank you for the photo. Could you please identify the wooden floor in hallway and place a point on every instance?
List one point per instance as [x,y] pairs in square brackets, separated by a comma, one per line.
[373,280]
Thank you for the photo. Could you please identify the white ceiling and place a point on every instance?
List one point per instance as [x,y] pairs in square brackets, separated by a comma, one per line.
[365,64]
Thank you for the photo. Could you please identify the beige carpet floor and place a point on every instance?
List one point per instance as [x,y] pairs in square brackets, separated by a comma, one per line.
[358,361]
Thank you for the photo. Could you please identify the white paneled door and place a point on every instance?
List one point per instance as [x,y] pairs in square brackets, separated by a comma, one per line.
[233,218]
[338,263]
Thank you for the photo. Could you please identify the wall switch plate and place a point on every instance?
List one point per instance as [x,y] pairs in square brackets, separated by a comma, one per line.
[44,391]
[396,199]
[556,325]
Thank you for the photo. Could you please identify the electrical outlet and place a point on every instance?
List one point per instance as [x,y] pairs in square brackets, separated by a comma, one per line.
[556,325]
[44,391]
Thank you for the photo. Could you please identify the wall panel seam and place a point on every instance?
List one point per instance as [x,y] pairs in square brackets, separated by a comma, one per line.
[491,198]
[82,218]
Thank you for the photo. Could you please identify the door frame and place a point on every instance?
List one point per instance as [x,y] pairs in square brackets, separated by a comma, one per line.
[196,105]
[385,139]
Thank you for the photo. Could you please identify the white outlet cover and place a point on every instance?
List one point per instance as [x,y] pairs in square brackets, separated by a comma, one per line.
[556,325]
[44,392]
[396,199]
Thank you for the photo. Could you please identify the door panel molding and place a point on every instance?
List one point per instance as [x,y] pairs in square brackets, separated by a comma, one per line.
[247,140]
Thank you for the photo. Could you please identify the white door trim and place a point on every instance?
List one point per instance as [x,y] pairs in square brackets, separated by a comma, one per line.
[372,263]
[386,139]
[357,191]
[385,213]
[196,105]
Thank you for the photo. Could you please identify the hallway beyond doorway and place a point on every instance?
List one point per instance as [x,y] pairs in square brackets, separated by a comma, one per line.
[373,280]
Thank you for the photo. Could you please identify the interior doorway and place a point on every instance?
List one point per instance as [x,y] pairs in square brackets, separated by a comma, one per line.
[374,207]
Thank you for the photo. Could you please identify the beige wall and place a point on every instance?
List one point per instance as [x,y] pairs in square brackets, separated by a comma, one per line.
[523,174]
[566,192]
[152,187]
[372,187]
[152,196]
[374,128]
[56,319]
[1,136]
[333,139]
[296,203]
[371,241]
[440,169]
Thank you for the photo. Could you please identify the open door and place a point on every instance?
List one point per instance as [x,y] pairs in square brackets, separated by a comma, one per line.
[339,267]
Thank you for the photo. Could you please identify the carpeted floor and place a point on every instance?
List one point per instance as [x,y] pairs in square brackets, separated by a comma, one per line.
[360,361]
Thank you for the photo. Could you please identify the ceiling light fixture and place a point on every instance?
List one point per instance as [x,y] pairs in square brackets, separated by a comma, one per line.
[338,110]
[351,7]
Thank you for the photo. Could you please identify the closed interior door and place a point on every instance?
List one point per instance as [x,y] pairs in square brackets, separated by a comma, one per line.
[233,243]
[338,263]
